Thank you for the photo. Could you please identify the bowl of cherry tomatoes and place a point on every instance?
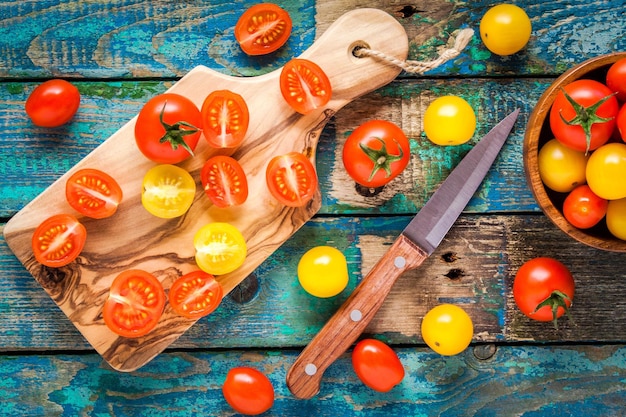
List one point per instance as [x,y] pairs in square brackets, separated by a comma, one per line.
[575,152]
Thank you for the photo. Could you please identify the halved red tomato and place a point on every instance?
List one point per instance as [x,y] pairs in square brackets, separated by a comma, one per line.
[262,29]
[93,193]
[195,294]
[58,240]
[291,179]
[135,303]
[225,117]
[304,85]
[224,181]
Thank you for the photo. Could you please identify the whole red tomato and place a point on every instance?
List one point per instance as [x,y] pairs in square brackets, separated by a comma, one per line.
[375,153]
[543,289]
[168,128]
[377,365]
[583,208]
[582,116]
[53,103]
[248,391]
[621,122]
[616,79]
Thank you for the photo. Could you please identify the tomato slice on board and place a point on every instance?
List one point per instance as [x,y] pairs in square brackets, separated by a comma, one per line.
[58,240]
[304,85]
[93,193]
[263,28]
[135,303]
[220,248]
[195,294]
[167,191]
[291,179]
[224,181]
[225,117]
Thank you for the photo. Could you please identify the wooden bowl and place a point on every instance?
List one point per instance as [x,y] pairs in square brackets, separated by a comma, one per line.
[538,133]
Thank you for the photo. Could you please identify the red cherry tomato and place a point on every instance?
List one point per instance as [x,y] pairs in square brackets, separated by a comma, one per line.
[616,79]
[375,153]
[262,29]
[93,193]
[135,303]
[583,208]
[590,123]
[543,289]
[377,365]
[304,85]
[248,391]
[224,181]
[53,103]
[168,128]
[291,179]
[225,117]
[621,122]
[195,294]
[58,240]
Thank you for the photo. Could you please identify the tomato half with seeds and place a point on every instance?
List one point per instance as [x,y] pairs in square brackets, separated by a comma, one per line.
[195,294]
[224,181]
[263,28]
[167,191]
[93,193]
[53,103]
[304,85]
[168,128]
[291,179]
[377,365]
[58,240]
[248,391]
[375,153]
[135,303]
[225,119]
[220,248]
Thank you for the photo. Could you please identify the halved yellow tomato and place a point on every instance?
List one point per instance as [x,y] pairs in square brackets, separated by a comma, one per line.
[167,191]
[220,248]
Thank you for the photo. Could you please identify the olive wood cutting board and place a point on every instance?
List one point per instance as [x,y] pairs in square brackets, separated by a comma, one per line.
[133,238]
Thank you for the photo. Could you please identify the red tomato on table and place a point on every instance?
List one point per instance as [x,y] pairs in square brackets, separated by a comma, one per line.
[375,153]
[263,28]
[586,122]
[93,193]
[135,303]
[377,365]
[543,289]
[53,103]
[168,128]
[58,240]
[248,391]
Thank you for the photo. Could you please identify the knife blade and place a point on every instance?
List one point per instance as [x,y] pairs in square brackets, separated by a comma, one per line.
[416,242]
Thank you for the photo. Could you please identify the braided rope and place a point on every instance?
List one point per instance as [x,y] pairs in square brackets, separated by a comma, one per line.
[418,67]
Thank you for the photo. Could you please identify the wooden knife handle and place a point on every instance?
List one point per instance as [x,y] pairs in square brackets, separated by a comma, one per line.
[347,324]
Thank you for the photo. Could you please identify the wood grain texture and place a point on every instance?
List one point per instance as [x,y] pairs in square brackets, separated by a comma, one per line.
[507,381]
[134,238]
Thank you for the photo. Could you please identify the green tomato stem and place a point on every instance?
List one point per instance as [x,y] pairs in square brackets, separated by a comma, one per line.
[174,135]
[381,158]
[554,301]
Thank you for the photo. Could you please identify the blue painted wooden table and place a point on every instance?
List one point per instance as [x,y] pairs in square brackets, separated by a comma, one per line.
[121,53]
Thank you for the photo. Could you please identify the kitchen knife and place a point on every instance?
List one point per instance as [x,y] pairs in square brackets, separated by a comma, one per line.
[416,243]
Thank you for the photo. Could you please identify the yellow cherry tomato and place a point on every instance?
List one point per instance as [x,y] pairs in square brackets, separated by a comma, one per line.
[616,218]
[323,271]
[561,168]
[606,171]
[447,329]
[167,191]
[505,29]
[449,120]
[220,248]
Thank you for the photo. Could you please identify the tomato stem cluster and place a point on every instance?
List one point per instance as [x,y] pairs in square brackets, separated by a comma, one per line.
[554,301]
[174,135]
[381,158]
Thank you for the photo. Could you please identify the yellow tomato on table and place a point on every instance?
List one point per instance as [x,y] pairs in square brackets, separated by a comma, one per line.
[505,29]
[447,329]
[449,120]
[323,271]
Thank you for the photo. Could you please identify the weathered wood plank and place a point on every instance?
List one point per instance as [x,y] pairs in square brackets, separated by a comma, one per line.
[474,268]
[140,38]
[31,158]
[520,381]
